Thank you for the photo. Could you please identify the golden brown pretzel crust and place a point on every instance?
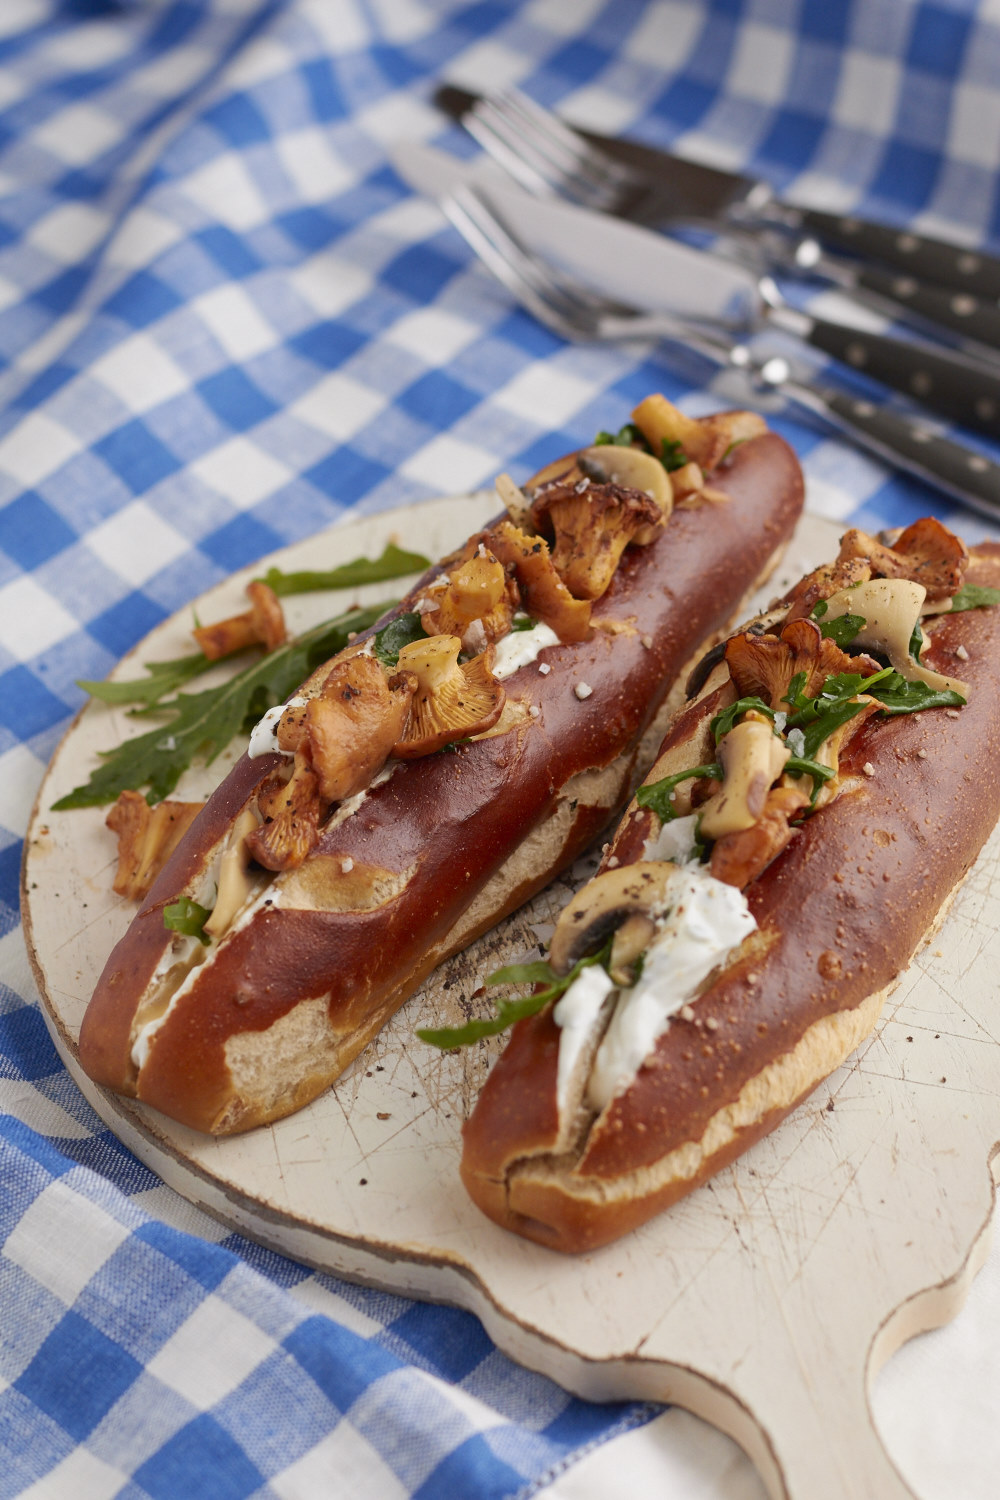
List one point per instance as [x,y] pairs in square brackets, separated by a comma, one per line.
[322,970]
[840,913]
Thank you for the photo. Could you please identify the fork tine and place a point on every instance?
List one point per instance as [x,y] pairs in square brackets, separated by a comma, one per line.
[555,303]
[587,159]
[541,162]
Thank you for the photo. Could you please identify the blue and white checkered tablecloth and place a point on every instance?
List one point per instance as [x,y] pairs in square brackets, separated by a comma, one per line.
[224,322]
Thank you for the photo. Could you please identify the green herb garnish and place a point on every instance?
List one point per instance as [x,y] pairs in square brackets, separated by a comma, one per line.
[199,725]
[898,696]
[672,455]
[522,622]
[842,630]
[509,1011]
[185,915]
[394,563]
[657,795]
[974,596]
[800,765]
[723,723]
[400,632]
[628,436]
[163,677]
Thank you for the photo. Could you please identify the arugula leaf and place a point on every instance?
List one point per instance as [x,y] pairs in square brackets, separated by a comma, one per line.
[842,630]
[393,563]
[898,696]
[658,793]
[839,712]
[202,724]
[400,632]
[523,622]
[723,723]
[819,609]
[974,596]
[799,765]
[916,642]
[162,677]
[509,1011]
[185,915]
[672,455]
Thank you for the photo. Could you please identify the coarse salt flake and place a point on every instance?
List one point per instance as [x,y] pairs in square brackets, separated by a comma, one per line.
[868,768]
[583,690]
[961,653]
[544,668]
[346,865]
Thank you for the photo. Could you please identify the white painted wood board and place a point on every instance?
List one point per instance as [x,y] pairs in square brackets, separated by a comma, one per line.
[765,1302]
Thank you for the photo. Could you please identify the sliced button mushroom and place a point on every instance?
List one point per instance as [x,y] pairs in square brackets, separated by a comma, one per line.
[607,902]
[451,700]
[637,470]
[752,759]
[890,608]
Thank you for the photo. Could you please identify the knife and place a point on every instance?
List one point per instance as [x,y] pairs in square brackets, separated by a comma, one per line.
[632,263]
[679,189]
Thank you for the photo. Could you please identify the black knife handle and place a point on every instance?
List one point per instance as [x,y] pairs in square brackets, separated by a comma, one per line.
[972,317]
[906,443]
[950,266]
[951,385]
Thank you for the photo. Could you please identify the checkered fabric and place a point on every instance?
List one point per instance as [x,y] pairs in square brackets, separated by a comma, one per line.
[224,321]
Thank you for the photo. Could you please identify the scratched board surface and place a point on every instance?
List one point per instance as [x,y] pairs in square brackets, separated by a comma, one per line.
[765,1301]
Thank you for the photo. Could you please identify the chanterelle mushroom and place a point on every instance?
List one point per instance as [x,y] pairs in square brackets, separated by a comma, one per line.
[543,592]
[263,624]
[350,729]
[342,738]
[452,700]
[593,524]
[147,836]
[474,603]
[926,553]
[763,666]
[604,904]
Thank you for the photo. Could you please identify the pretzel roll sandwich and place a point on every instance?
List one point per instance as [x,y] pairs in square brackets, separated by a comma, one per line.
[439,770]
[811,811]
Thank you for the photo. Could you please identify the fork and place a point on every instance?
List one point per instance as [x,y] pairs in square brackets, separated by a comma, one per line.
[549,158]
[576,313]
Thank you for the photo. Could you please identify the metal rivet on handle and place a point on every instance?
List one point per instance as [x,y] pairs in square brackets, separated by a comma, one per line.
[921,382]
[904,286]
[964,305]
[907,243]
[968,264]
[863,409]
[857,355]
[921,435]
[979,464]
[986,408]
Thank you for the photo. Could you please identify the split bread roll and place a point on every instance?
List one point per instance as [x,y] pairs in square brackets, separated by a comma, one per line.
[815,912]
[383,855]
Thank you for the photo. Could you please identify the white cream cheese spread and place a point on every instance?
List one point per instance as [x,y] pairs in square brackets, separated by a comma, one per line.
[704,921]
[519,648]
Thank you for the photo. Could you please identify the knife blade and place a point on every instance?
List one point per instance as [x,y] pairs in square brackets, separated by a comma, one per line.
[679,188]
[638,265]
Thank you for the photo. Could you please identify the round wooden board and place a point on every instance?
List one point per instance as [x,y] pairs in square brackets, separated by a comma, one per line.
[765,1302]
